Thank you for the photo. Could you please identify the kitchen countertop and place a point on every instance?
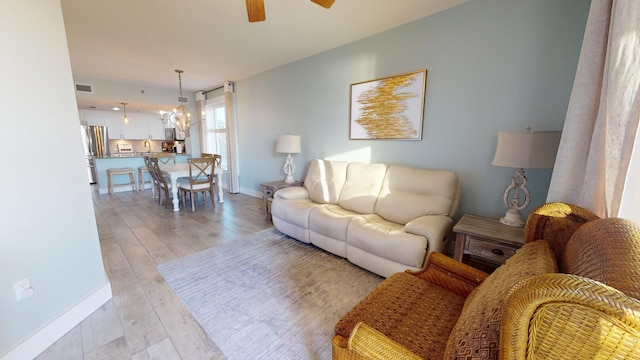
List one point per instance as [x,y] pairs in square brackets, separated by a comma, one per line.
[134,155]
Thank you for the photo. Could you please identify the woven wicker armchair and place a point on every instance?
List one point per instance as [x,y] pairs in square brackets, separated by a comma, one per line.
[556,222]
[525,309]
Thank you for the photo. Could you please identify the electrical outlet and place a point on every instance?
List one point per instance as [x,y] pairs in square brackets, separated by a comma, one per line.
[23,289]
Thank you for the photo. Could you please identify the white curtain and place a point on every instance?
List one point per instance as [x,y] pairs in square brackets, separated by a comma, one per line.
[602,119]
[201,99]
[232,138]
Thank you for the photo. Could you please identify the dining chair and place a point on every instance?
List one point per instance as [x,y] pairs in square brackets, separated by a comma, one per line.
[217,159]
[166,158]
[146,168]
[206,155]
[163,185]
[201,180]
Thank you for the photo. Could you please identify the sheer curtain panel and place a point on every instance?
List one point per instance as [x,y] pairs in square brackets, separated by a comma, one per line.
[602,118]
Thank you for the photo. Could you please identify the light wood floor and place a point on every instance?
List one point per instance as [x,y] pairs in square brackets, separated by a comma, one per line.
[145,319]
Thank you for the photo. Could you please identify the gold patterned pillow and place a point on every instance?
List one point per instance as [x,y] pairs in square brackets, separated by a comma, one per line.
[477,332]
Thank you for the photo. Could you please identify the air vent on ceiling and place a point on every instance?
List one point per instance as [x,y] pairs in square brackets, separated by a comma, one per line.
[183,99]
[84,88]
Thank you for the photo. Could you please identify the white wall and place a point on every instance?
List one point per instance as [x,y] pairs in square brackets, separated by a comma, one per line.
[48,229]
[493,65]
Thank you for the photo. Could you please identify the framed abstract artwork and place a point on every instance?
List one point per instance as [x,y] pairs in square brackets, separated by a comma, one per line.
[388,108]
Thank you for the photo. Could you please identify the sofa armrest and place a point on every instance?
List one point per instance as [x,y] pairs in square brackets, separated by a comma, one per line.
[292,192]
[555,316]
[366,342]
[450,274]
[433,227]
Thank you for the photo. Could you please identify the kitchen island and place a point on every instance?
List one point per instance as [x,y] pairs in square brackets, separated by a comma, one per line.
[117,161]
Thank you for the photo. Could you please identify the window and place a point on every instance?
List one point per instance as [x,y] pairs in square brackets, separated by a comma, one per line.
[215,129]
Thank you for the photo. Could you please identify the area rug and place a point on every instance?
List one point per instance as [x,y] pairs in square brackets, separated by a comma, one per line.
[268,296]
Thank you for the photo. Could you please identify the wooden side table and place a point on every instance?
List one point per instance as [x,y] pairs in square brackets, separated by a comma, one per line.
[486,238]
[268,189]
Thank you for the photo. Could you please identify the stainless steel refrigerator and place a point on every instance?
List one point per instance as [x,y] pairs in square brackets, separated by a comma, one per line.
[96,144]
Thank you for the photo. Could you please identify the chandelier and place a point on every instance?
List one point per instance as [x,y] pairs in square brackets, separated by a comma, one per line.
[180,118]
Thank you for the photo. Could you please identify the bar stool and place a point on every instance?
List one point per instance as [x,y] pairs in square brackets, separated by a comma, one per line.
[121,171]
[142,170]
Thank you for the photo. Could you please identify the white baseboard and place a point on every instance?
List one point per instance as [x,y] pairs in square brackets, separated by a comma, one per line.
[57,328]
[117,189]
[251,192]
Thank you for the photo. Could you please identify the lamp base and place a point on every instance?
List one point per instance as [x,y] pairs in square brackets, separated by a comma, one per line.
[512,218]
[289,169]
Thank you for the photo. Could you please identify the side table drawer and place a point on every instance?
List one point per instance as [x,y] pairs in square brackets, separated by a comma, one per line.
[491,251]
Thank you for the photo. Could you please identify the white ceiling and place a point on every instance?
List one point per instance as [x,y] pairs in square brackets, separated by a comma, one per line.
[143,41]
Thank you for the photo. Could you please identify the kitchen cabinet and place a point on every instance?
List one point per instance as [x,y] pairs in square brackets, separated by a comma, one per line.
[114,127]
[154,129]
[136,129]
[141,126]
[130,130]
[88,117]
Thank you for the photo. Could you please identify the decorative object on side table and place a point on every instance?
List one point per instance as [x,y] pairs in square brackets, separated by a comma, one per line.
[523,150]
[288,144]
[486,238]
[269,188]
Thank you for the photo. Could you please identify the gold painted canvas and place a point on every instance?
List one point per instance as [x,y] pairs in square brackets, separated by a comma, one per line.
[388,108]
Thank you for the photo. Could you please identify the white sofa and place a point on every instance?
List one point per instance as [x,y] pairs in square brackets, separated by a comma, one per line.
[383,218]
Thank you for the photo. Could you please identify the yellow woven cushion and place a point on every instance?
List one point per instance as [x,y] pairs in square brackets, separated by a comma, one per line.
[410,311]
[606,250]
[476,334]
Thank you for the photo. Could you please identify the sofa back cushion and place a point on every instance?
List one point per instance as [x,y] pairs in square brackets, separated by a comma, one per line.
[325,180]
[606,250]
[408,193]
[362,186]
[476,334]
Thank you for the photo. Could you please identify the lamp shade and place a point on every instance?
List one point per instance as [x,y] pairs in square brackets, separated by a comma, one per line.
[288,144]
[527,149]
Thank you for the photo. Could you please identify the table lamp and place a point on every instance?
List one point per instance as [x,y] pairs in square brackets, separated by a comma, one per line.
[523,150]
[288,144]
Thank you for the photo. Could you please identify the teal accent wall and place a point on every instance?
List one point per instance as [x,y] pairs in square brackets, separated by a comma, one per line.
[102,164]
[493,65]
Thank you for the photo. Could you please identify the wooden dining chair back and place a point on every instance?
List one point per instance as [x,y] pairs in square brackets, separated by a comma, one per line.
[163,186]
[206,155]
[154,181]
[166,158]
[201,180]
[217,160]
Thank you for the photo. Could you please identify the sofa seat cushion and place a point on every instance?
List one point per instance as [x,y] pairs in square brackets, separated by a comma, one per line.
[328,228]
[389,240]
[476,334]
[410,311]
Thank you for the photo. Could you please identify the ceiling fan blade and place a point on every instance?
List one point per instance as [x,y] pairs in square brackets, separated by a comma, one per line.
[324,3]
[255,10]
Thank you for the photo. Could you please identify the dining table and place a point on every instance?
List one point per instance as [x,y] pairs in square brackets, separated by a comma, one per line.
[179,170]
